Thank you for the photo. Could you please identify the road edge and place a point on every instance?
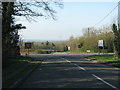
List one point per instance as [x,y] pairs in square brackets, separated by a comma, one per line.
[22,79]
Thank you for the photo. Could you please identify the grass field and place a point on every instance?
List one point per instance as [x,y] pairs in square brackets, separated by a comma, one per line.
[106,59]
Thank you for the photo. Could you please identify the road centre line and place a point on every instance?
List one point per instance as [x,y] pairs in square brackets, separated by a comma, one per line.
[95,76]
[79,67]
[68,61]
[75,64]
[105,82]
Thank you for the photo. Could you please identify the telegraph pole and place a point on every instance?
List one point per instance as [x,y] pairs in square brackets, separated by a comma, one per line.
[119,15]
[88,32]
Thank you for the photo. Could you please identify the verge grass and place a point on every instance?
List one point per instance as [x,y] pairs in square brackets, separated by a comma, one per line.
[105,59]
[78,53]
[15,66]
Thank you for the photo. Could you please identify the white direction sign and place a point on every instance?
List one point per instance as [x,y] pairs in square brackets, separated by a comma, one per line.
[100,43]
[69,48]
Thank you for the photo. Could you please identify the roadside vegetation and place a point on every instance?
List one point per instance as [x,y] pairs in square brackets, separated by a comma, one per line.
[88,43]
[105,59]
[15,69]
[15,63]
[78,53]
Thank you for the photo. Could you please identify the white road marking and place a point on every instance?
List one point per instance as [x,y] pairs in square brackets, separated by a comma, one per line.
[68,61]
[79,67]
[95,76]
[105,82]
[75,65]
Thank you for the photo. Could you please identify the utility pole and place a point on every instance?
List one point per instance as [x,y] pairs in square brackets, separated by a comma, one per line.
[88,32]
[119,15]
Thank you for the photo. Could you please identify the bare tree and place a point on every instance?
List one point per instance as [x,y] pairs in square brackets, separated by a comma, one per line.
[35,9]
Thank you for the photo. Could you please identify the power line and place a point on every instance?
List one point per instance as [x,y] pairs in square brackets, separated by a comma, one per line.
[106,15]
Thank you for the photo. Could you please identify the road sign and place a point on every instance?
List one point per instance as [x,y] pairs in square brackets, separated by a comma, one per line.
[100,43]
[88,51]
[80,45]
[28,45]
[69,48]
[52,48]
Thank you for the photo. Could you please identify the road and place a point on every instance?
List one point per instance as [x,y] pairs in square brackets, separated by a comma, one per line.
[71,71]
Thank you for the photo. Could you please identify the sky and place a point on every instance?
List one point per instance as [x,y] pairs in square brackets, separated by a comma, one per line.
[71,19]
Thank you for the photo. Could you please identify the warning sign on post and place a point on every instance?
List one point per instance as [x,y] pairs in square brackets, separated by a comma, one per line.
[28,45]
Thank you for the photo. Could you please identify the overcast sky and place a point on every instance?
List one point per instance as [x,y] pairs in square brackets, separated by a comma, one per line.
[70,21]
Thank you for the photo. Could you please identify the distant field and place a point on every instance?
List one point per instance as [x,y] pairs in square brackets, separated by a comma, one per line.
[106,59]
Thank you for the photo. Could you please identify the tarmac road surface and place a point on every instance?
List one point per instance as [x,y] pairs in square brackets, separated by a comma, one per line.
[71,71]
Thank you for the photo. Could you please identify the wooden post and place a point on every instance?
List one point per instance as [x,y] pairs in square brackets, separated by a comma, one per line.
[103,50]
[28,51]
[98,51]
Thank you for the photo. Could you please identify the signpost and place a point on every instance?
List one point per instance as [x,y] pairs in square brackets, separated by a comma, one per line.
[88,51]
[100,44]
[69,48]
[28,46]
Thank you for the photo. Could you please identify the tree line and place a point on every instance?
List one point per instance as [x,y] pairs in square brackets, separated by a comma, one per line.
[88,41]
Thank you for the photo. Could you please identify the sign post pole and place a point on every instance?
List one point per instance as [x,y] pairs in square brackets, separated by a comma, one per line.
[103,47]
[98,51]
[28,51]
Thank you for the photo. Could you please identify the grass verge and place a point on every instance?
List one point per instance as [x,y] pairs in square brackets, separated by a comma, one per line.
[16,70]
[105,59]
[13,64]
[78,53]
